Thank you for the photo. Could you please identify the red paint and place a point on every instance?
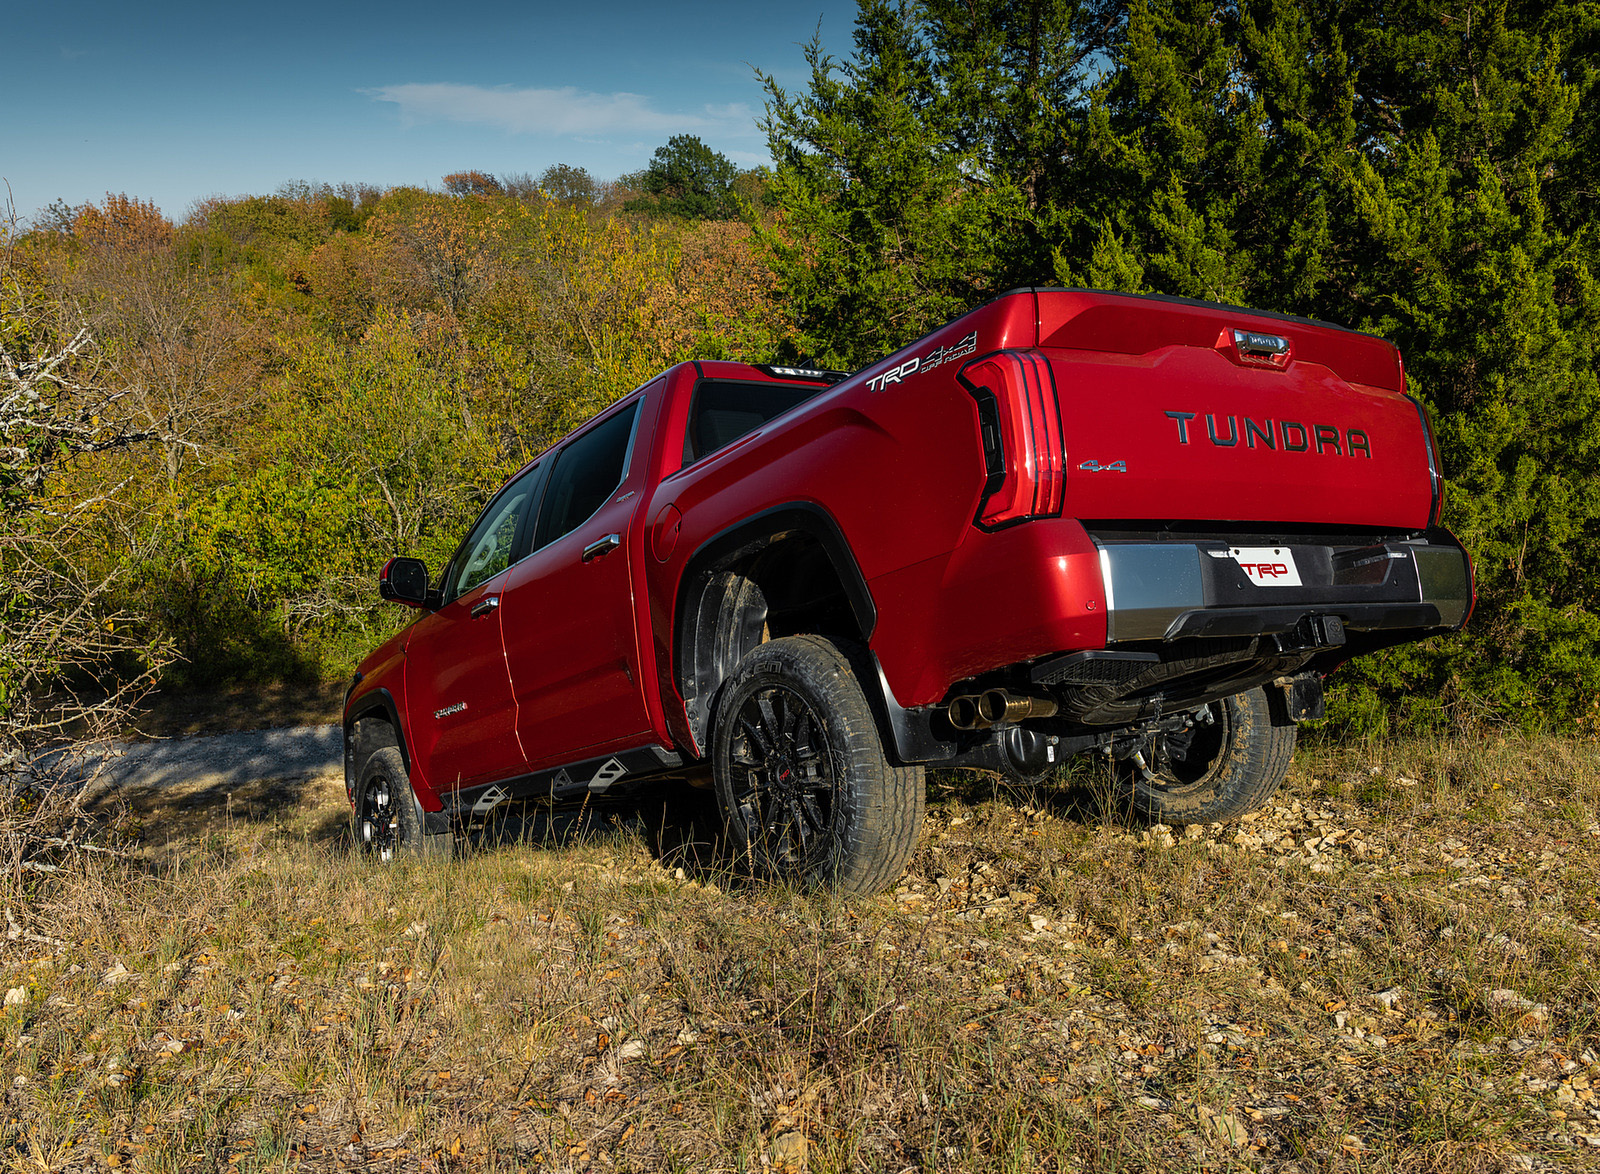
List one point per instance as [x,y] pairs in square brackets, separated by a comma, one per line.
[571,637]
[454,658]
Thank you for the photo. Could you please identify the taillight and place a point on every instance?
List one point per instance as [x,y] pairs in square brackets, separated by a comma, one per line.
[1435,469]
[1019,425]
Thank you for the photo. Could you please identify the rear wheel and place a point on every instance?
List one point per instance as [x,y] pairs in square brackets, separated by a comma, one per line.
[1226,765]
[387,821]
[801,776]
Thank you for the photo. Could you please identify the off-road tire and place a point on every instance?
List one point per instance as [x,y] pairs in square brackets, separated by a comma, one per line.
[806,791]
[386,821]
[1232,767]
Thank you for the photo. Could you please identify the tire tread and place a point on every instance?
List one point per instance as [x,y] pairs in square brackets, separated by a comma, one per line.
[885,821]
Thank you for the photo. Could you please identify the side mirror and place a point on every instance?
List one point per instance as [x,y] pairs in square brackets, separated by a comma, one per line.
[404,580]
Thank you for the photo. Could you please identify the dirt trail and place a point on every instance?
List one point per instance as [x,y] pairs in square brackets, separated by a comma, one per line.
[227,759]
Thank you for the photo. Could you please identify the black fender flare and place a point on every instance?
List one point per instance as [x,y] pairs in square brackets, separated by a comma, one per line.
[700,661]
[378,700]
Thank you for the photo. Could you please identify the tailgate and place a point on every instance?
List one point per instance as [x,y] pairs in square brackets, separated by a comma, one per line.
[1206,414]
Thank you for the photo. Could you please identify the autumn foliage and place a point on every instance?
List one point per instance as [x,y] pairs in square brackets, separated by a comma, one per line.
[333,376]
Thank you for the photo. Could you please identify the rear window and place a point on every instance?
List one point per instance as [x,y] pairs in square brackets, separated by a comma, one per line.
[586,472]
[722,411]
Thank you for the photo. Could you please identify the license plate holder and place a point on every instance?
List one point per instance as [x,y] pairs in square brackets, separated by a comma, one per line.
[1267,566]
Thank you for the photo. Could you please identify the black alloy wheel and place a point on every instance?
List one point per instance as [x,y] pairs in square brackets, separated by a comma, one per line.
[783,779]
[386,821]
[807,792]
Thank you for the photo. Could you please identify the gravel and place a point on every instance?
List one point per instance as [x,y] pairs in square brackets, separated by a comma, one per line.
[228,759]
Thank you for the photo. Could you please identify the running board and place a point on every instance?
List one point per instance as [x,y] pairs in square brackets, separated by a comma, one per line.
[592,776]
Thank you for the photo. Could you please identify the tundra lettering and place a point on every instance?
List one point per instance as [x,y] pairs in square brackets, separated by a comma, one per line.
[1294,436]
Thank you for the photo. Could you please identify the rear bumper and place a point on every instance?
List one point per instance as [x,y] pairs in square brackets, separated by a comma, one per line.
[1196,587]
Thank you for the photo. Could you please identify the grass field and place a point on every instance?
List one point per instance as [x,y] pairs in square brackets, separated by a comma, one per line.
[1392,967]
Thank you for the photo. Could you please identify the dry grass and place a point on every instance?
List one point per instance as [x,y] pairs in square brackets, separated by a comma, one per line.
[1393,968]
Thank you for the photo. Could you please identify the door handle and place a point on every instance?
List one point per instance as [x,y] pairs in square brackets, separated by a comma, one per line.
[485,605]
[601,546]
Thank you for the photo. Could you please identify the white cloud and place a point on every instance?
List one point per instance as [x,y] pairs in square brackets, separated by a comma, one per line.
[564,111]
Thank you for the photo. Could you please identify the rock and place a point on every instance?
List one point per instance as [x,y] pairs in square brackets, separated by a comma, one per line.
[789,1151]
[1038,924]
[1502,942]
[1225,1126]
[1504,1000]
[634,1049]
[16,996]
[1389,999]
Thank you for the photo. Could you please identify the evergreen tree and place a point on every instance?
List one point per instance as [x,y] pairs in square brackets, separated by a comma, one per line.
[687,178]
[1427,173]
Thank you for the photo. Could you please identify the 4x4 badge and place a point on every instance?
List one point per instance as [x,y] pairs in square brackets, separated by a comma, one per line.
[449,709]
[1097,467]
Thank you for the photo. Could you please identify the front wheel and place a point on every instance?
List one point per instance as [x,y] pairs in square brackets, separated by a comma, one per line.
[386,822]
[806,790]
[1227,764]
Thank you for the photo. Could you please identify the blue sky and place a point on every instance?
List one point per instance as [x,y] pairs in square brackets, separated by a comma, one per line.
[173,102]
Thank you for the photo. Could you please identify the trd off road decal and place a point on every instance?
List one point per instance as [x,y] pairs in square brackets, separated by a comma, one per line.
[937,357]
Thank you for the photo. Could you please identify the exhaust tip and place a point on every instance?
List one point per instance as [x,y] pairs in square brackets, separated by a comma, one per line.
[1000,706]
[964,713]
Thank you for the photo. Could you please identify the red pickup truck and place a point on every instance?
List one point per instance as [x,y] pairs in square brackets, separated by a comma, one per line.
[1066,522]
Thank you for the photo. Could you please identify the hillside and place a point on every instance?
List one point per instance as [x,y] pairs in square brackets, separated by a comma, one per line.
[1391,968]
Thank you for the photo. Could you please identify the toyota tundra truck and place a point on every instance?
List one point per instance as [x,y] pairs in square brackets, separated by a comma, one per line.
[1069,522]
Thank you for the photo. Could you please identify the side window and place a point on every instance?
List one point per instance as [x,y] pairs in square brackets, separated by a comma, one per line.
[492,544]
[722,411]
[586,472]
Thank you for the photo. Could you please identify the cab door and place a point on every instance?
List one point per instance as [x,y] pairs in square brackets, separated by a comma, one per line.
[463,715]
[567,611]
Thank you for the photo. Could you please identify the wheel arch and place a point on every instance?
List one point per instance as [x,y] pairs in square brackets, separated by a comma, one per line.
[371,721]
[781,572]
